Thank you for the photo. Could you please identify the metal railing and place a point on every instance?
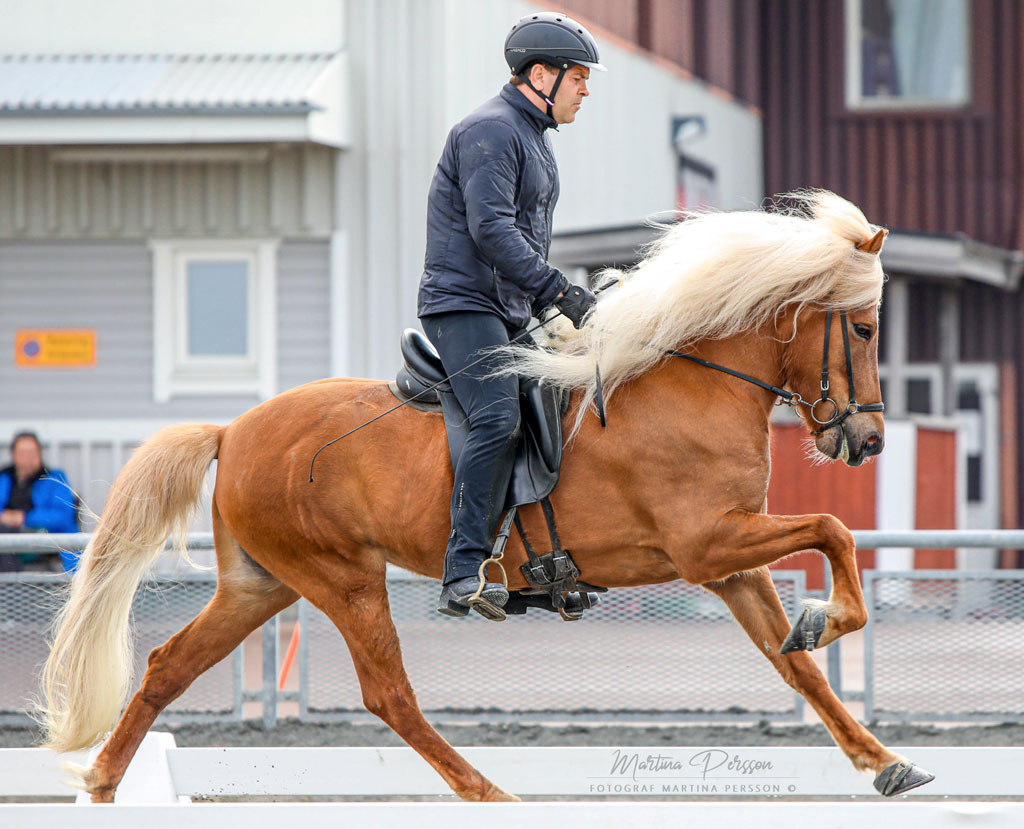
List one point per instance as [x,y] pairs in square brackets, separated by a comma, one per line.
[956,624]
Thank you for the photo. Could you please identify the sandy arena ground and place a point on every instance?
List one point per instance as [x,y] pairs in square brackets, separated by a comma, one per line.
[294,733]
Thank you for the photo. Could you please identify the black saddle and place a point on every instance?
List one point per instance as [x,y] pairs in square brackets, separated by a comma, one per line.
[539,453]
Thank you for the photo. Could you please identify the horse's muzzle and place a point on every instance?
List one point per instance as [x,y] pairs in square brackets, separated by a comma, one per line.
[859,449]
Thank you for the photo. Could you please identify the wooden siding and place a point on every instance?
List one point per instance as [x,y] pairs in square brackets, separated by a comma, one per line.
[303,313]
[108,286]
[941,171]
[797,488]
[715,40]
[57,193]
[935,501]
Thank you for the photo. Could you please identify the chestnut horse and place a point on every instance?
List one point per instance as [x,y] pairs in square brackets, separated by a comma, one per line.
[674,488]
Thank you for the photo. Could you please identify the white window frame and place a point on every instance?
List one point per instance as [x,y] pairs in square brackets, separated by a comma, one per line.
[175,371]
[856,101]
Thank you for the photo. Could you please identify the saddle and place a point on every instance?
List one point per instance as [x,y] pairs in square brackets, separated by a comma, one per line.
[421,382]
[539,451]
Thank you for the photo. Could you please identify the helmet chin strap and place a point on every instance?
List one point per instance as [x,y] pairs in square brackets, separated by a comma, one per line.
[548,99]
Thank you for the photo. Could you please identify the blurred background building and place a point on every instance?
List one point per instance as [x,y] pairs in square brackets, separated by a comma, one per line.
[204,203]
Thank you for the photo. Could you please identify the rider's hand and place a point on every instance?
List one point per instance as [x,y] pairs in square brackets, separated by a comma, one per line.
[575,303]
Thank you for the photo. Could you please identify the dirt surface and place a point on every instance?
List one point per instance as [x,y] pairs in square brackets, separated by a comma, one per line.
[294,733]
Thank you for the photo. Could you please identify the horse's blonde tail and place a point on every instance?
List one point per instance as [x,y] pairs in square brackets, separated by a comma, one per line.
[88,673]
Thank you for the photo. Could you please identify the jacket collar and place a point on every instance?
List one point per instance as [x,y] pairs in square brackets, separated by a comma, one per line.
[12,472]
[537,119]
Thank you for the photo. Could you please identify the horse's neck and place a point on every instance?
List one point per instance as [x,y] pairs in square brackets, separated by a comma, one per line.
[757,353]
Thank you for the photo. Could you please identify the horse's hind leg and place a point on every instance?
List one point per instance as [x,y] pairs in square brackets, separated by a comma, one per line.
[354,597]
[752,598]
[246,597]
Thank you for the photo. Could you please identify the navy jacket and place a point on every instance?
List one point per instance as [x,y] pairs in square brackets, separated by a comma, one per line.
[489,215]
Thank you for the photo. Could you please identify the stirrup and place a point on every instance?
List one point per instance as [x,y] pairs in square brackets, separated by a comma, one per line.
[477,602]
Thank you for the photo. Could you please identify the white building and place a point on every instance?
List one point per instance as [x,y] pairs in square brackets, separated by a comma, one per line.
[225,200]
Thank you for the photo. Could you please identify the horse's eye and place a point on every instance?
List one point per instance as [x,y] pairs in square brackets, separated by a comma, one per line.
[863,331]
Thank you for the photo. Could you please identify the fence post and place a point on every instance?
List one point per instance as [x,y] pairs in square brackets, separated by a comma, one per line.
[835,658]
[270,635]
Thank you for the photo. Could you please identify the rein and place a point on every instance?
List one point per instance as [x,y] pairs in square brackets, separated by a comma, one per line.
[793,399]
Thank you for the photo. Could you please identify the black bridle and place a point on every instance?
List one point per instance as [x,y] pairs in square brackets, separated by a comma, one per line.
[793,399]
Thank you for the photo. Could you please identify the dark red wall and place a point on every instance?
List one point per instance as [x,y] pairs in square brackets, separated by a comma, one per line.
[939,170]
[798,488]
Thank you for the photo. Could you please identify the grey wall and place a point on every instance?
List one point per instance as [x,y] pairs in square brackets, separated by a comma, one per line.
[108,286]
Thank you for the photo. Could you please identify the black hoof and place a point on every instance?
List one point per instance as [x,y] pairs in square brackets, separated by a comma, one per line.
[806,632]
[901,777]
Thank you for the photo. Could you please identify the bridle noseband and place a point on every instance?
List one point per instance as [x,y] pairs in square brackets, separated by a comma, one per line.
[793,399]
[853,407]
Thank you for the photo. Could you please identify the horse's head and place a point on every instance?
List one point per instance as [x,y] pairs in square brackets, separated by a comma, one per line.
[832,363]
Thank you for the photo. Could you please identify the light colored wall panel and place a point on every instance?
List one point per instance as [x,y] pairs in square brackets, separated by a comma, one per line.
[303,313]
[116,193]
[108,287]
[171,26]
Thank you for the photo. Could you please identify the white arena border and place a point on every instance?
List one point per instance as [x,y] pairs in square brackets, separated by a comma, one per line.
[157,788]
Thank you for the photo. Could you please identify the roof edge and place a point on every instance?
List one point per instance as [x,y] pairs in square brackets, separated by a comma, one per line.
[953,256]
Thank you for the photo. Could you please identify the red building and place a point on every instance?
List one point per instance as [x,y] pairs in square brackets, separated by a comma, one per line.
[914,112]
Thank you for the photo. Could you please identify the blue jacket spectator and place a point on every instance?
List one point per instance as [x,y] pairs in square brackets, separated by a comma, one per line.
[35,498]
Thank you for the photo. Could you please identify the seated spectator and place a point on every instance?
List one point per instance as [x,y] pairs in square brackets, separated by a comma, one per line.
[34,498]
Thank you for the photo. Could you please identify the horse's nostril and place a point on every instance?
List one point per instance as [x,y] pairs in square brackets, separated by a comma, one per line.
[873,444]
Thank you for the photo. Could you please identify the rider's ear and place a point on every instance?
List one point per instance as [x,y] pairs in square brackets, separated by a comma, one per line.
[874,244]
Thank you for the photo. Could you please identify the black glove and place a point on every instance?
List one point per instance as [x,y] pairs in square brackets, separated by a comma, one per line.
[575,303]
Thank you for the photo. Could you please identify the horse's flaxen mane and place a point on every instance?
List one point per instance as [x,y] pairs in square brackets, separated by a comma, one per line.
[713,275]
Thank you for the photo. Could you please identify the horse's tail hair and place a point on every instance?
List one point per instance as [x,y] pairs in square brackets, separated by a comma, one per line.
[88,673]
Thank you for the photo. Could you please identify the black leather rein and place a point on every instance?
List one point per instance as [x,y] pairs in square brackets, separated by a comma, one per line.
[792,398]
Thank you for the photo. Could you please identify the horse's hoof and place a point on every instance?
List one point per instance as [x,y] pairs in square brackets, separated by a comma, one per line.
[901,777]
[806,632]
[495,794]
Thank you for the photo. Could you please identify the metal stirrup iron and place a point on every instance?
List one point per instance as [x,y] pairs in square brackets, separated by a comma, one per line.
[477,602]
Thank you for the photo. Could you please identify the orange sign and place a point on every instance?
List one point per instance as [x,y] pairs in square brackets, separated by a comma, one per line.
[55,348]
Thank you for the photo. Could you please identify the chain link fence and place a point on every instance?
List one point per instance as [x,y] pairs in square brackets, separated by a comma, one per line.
[944,645]
[29,601]
[939,645]
[671,650]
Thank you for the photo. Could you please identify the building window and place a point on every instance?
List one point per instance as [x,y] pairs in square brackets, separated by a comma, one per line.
[906,53]
[214,319]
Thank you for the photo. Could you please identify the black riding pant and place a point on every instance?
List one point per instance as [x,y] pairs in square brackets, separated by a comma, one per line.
[492,406]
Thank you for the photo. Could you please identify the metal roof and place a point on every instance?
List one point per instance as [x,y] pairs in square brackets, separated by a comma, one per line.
[152,84]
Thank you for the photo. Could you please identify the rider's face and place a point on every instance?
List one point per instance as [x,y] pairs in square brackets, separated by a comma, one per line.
[570,94]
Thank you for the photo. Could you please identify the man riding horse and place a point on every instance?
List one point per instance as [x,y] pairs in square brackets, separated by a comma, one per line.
[488,234]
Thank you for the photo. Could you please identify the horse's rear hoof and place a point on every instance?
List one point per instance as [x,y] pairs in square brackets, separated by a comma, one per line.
[901,777]
[806,633]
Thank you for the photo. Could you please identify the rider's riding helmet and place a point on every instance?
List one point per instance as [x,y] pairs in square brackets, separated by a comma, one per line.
[551,38]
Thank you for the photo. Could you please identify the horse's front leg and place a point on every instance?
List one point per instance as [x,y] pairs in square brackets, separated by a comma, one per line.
[754,602]
[745,540]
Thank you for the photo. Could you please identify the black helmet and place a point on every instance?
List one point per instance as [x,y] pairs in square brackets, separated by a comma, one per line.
[553,38]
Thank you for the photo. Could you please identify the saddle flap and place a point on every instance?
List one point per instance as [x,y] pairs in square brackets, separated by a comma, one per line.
[541,413]
[539,453]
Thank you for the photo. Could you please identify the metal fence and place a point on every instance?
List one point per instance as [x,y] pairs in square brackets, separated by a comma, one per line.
[939,645]
[669,650]
[944,646]
[29,601]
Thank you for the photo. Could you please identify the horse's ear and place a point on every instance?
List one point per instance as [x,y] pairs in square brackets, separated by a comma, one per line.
[874,244]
